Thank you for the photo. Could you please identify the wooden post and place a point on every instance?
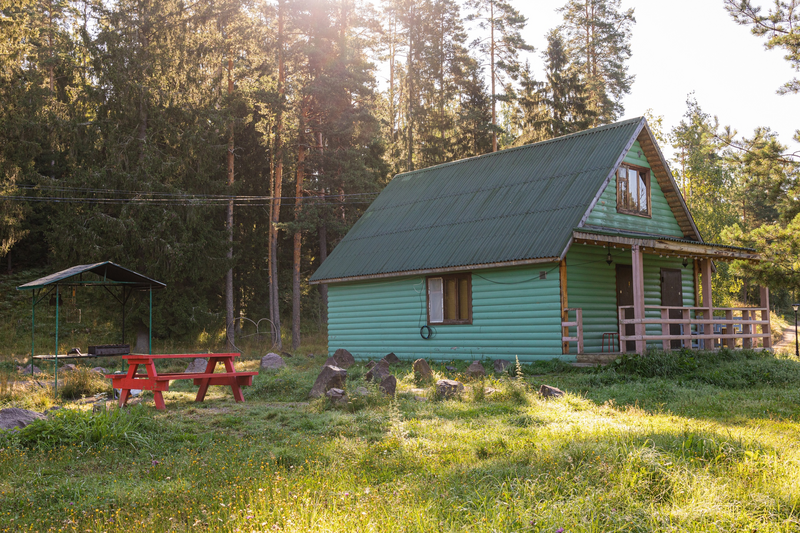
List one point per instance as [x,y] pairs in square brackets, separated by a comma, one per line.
[747,329]
[686,329]
[705,272]
[579,320]
[665,330]
[638,296]
[729,329]
[562,278]
[622,344]
[765,328]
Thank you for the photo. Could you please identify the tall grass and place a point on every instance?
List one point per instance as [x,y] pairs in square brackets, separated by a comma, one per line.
[664,444]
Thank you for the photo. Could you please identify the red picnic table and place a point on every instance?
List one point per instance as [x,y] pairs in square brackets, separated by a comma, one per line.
[158,383]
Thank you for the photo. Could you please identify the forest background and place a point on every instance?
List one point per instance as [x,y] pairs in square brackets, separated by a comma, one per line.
[224,147]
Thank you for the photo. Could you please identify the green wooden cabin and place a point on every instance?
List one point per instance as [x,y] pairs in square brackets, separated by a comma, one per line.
[573,246]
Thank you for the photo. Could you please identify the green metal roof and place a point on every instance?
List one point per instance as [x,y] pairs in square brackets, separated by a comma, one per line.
[111,274]
[513,205]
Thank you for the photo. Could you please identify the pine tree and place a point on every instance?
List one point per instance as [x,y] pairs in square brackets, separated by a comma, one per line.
[597,35]
[499,48]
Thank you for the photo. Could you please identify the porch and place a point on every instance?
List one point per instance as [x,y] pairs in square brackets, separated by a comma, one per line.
[678,278]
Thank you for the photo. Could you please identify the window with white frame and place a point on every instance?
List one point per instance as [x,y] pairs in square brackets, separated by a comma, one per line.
[450,299]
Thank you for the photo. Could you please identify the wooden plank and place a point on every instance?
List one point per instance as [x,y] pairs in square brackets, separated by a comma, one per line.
[178,355]
[665,344]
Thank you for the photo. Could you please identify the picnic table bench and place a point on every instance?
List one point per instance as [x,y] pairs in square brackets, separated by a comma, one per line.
[159,382]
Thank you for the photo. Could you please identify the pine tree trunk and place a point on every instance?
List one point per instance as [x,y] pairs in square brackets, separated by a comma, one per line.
[410,95]
[298,237]
[492,74]
[275,205]
[323,242]
[323,255]
[229,274]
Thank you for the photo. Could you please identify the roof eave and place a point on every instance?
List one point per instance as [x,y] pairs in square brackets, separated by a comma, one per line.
[441,270]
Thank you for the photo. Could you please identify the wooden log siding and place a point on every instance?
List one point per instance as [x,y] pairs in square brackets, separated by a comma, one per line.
[592,287]
[514,313]
[746,319]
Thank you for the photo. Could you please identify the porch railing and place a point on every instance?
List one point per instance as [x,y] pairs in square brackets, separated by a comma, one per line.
[577,324]
[737,323]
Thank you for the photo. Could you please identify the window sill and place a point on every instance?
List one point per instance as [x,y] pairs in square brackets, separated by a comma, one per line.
[634,213]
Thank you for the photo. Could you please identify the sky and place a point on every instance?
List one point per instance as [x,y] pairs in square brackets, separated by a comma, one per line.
[692,46]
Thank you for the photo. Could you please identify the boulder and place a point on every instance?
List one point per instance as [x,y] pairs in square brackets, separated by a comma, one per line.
[546,391]
[378,372]
[337,396]
[100,370]
[388,385]
[422,370]
[476,370]
[17,418]
[331,377]
[330,361]
[343,358]
[27,369]
[198,366]
[450,368]
[500,365]
[391,358]
[370,364]
[69,367]
[272,361]
[362,391]
[449,387]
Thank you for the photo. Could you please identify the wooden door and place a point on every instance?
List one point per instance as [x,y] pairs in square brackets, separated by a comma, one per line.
[672,296]
[625,297]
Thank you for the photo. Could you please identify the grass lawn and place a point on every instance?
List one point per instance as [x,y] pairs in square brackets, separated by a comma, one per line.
[680,442]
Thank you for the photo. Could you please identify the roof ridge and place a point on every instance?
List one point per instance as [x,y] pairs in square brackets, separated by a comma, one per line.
[591,131]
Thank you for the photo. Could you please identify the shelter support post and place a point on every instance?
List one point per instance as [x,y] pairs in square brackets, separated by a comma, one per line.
[33,328]
[705,275]
[765,328]
[637,267]
[150,340]
[56,358]
[123,315]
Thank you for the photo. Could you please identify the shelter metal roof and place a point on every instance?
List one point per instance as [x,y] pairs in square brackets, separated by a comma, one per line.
[519,204]
[111,274]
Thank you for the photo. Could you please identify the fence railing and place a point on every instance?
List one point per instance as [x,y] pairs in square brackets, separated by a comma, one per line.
[723,327]
[577,324]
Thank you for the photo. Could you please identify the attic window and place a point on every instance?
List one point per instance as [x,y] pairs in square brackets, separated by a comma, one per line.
[450,299]
[633,190]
